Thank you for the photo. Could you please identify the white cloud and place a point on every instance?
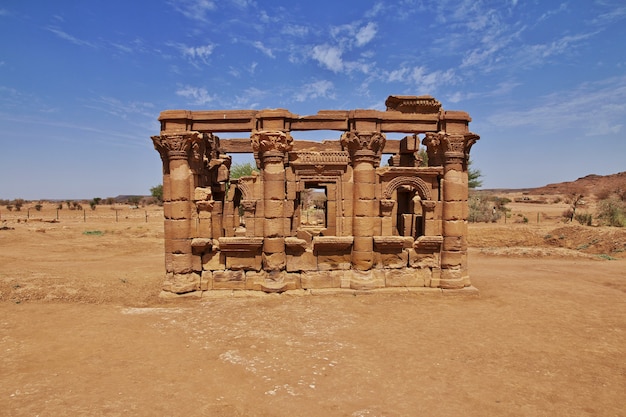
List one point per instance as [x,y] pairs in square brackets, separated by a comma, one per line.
[366,34]
[421,78]
[193,9]
[195,53]
[63,35]
[328,56]
[267,51]
[200,96]
[295,30]
[314,90]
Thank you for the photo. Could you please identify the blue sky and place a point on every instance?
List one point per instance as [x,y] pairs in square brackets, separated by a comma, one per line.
[82,82]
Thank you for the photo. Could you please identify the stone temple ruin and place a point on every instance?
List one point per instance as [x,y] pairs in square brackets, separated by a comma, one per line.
[317,215]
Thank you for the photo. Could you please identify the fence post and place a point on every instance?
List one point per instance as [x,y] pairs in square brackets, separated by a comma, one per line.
[84,216]
[146,211]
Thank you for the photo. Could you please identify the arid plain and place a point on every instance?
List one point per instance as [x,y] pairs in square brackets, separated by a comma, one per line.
[84,332]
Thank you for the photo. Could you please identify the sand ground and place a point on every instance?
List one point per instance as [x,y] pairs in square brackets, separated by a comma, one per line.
[83,332]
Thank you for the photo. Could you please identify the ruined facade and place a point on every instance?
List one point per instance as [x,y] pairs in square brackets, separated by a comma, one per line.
[317,215]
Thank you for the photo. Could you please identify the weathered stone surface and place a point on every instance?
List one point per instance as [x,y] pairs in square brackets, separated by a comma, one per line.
[229,280]
[302,261]
[320,279]
[367,280]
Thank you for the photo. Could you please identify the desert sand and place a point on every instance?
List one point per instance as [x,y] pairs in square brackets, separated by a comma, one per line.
[84,332]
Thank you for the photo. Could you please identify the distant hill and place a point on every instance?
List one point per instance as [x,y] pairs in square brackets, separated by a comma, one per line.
[588,185]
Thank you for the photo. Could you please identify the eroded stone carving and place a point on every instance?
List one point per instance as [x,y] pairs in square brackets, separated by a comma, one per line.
[318,214]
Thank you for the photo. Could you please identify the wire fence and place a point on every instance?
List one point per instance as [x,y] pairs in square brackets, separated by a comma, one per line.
[104,214]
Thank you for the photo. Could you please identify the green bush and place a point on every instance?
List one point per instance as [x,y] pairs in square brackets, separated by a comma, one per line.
[612,212]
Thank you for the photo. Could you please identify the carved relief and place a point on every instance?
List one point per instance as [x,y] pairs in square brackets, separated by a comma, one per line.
[357,142]
[416,183]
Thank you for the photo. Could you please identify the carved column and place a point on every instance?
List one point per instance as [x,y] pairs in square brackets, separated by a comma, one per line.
[178,152]
[453,149]
[271,147]
[365,148]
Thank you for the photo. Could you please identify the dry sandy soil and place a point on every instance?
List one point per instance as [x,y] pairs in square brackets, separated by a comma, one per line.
[83,331]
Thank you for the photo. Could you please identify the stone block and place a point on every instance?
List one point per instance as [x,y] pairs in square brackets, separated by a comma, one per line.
[366,208]
[176,229]
[275,281]
[213,261]
[178,246]
[202,194]
[407,277]
[362,260]
[365,190]
[304,261]
[391,259]
[451,259]
[454,228]
[363,244]
[455,191]
[228,280]
[206,281]
[367,280]
[362,226]
[454,210]
[329,261]
[423,259]
[196,262]
[181,283]
[274,227]
[274,190]
[274,245]
[364,175]
[182,263]
[274,261]
[248,261]
[320,279]
[274,209]
[205,228]
[454,243]
[276,176]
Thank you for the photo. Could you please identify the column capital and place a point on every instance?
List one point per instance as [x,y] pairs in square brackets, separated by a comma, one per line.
[364,145]
[270,145]
[177,145]
[455,146]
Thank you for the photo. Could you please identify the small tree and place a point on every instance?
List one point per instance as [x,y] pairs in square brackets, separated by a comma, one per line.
[38,206]
[473,176]
[157,192]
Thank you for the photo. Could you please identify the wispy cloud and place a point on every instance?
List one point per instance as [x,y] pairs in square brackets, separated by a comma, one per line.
[195,53]
[317,89]
[265,50]
[365,34]
[421,78]
[593,109]
[123,109]
[197,95]
[193,9]
[66,36]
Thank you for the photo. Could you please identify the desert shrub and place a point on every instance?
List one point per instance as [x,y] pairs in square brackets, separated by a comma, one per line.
[612,212]
[584,218]
[568,215]
[38,207]
[242,170]
[557,200]
[484,210]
